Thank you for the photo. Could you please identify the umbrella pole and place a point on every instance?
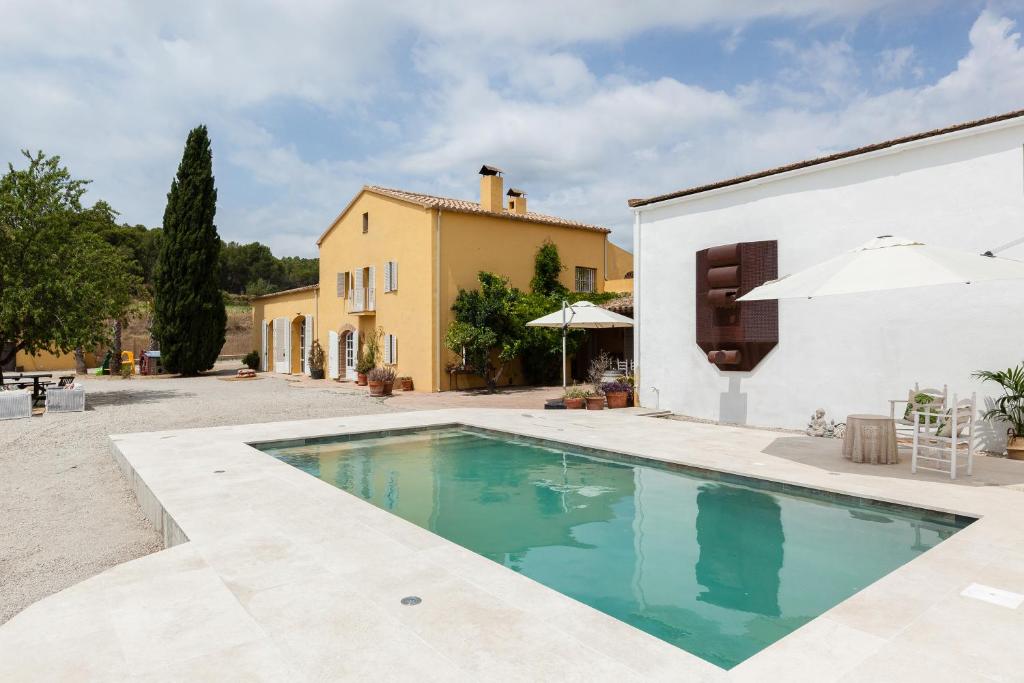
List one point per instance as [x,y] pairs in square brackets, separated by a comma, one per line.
[563,346]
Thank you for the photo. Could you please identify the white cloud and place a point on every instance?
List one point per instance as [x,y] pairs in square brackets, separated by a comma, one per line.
[897,63]
[114,87]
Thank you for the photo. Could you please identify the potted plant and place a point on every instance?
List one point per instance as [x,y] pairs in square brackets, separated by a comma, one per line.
[363,365]
[406,382]
[574,397]
[617,393]
[595,400]
[316,360]
[595,375]
[381,381]
[1009,407]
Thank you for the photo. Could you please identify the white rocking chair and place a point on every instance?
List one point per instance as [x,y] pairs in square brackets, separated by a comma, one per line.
[904,425]
[938,444]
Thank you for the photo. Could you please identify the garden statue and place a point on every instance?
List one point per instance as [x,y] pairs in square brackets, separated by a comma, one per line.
[818,426]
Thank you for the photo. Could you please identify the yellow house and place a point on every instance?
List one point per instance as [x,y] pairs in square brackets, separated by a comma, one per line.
[394,261]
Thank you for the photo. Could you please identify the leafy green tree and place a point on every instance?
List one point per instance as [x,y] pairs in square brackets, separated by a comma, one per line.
[547,266]
[60,281]
[299,271]
[189,314]
[487,328]
[241,264]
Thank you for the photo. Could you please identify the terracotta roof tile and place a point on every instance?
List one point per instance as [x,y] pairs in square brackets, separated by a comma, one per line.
[465,206]
[825,159]
[622,304]
[287,291]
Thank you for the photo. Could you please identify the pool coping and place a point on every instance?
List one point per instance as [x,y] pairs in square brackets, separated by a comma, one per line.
[237,525]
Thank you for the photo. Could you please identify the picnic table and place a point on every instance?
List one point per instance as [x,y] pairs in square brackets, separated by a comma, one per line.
[37,380]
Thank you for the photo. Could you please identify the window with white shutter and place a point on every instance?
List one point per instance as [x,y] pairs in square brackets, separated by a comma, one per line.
[390,349]
[387,276]
[342,285]
[394,276]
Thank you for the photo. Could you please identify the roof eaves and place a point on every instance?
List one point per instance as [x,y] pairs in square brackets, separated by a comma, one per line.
[287,291]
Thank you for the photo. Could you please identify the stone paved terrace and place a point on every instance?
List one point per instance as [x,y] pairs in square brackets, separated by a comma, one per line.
[284,577]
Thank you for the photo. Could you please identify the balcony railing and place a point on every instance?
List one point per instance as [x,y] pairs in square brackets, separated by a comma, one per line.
[362,300]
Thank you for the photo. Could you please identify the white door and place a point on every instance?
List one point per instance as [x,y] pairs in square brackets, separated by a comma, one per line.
[282,344]
[351,344]
[307,343]
[263,346]
[332,354]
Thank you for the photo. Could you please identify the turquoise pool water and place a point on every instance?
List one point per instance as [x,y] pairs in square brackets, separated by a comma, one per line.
[716,566]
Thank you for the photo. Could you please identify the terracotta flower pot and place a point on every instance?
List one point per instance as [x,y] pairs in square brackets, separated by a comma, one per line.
[595,402]
[361,379]
[1015,447]
[617,399]
[389,388]
[376,388]
[406,385]
[574,403]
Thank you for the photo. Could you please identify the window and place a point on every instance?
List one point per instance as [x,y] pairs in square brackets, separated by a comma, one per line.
[585,279]
[342,285]
[390,349]
[366,223]
[390,276]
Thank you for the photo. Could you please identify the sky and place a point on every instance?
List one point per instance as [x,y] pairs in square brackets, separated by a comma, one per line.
[583,103]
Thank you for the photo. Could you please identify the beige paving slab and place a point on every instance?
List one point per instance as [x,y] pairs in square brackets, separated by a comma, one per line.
[286,574]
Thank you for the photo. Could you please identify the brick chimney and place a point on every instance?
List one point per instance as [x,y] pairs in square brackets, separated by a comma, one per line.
[516,201]
[490,189]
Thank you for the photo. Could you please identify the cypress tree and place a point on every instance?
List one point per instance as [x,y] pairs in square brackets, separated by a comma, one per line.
[189,318]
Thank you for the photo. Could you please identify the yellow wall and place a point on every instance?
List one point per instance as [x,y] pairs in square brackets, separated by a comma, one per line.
[620,262]
[471,243]
[45,361]
[400,232]
[619,285]
[285,305]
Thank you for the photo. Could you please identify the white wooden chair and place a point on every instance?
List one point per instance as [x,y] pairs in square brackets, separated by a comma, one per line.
[938,445]
[905,425]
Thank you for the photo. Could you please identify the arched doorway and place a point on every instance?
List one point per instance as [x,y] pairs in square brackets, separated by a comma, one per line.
[348,349]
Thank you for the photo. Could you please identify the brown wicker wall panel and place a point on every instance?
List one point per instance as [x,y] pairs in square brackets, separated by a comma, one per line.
[736,336]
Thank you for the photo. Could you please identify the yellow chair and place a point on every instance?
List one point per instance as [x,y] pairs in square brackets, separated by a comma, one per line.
[127,357]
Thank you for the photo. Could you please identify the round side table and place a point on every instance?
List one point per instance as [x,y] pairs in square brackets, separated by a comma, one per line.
[870,438]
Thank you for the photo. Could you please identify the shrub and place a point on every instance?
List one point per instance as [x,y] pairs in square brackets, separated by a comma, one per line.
[251,360]
[382,374]
[126,371]
[615,388]
[316,356]
[598,366]
[576,391]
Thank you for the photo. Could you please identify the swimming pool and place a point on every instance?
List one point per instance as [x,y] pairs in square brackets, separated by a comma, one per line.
[718,565]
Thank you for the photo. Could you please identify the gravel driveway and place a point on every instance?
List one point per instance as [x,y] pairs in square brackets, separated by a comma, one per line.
[65,510]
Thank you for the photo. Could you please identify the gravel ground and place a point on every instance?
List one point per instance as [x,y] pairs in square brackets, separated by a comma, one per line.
[65,510]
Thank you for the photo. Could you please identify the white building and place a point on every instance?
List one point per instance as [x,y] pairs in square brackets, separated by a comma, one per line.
[960,187]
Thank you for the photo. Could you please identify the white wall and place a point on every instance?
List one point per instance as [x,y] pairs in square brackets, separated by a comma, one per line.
[851,353]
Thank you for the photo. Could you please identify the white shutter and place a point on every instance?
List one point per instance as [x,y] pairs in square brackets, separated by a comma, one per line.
[355,351]
[394,350]
[341,285]
[264,361]
[394,276]
[371,290]
[309,341]
[282,345]
[387,276]
[332,354]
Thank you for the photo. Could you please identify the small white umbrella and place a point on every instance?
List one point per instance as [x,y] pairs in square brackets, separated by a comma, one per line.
[887,262]
[580,315]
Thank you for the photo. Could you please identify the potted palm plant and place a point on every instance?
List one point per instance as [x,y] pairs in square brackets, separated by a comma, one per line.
[316,360]
[363,365]
[1009,407]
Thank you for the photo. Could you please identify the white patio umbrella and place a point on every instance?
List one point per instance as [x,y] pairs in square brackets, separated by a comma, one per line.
[580,315]
[887,262]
